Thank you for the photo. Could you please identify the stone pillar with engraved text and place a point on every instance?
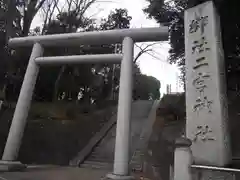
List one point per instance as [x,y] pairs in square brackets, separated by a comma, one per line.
[206,102]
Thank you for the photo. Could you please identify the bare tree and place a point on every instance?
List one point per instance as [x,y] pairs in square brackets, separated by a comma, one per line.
[49,8]
[76,9]
[146,49]
[30,9]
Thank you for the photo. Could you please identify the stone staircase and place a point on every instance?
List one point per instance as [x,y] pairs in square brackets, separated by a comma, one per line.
[137,160]
[102,156]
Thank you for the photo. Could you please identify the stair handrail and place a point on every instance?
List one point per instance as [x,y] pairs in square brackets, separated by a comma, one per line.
[215,168]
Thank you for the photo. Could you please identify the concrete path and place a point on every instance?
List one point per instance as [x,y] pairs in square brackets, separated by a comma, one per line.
[55,173]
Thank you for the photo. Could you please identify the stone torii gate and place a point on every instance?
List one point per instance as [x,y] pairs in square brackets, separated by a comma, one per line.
[127,37]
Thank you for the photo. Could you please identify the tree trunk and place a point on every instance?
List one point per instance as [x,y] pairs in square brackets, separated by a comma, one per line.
[57,82]
[9,22]
[27,20]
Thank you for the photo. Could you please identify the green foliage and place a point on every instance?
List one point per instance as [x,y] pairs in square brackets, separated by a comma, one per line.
[93,82]
[117,20]
[146,87]
[172,105]
[71,80]
[51,136]
[172,13]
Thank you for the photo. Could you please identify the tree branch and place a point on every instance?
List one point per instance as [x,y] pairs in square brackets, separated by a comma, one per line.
[86,6]
[141,53]
[56,2]
[46,19]
[69,5]
[53,9]
[39,5]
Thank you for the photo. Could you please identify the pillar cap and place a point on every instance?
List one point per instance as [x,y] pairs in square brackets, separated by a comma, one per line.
[183,142]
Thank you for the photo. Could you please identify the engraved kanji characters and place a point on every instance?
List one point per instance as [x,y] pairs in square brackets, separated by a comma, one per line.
[203,133]
[200,62]
[198,50]
[200,46]
[198,23]
[203,102]
[200,81]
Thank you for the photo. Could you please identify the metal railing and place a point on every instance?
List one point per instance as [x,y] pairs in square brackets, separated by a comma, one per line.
[214,168]
[183,164]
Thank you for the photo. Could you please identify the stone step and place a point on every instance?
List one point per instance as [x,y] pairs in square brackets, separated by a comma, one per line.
[94,153]
[137,156]
[100,159]
[96,150]
[101,155]
[97,165]
[136,162]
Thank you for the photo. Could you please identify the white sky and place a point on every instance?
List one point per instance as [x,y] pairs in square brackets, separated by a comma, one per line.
[158,66]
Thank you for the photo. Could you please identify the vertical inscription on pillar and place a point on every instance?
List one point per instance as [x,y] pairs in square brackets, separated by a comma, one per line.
[205,121]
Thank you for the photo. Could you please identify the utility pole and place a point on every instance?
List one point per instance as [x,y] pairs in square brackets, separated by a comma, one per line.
[167,88]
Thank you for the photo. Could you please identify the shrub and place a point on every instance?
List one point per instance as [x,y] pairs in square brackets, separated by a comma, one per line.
[172,106]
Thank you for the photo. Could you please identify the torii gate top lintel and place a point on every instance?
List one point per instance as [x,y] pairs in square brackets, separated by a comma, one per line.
[94,37]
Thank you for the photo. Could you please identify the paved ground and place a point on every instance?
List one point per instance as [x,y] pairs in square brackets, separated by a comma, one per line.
[56,173]
[60,173]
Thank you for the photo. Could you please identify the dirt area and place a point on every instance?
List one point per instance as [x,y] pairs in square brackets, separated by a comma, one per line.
[55,133]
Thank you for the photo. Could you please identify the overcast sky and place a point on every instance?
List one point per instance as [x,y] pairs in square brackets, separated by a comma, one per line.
[155,65]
